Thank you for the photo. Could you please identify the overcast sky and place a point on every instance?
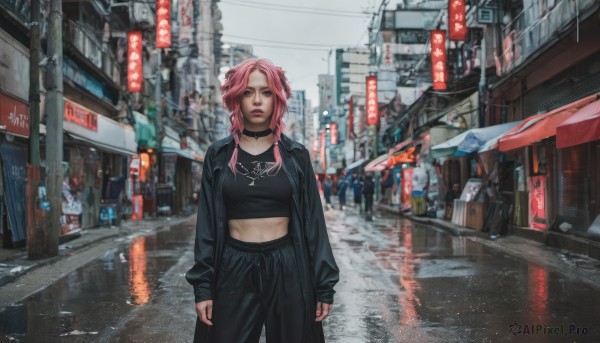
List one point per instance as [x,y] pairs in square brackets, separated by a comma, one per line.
[269,30]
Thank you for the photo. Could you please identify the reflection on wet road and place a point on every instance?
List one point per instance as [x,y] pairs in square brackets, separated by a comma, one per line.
[400,282]
[406,282]
[103,301]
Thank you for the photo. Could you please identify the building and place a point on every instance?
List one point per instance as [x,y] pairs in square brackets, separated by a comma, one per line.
[125,153]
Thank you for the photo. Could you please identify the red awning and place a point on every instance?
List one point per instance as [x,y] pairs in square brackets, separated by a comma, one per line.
[398,149]
[540,126]
[379,163]
[582,127]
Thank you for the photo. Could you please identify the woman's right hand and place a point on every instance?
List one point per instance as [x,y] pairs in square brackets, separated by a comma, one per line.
[204,311]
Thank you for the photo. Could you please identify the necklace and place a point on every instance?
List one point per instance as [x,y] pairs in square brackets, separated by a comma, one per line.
[257,134]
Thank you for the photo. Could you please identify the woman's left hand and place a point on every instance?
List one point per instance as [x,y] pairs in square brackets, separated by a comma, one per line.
[323,310]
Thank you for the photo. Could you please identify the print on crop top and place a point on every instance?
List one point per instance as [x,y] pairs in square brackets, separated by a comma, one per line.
[256,170]
[258,189]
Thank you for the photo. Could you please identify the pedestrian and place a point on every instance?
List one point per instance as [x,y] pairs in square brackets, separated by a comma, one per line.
[262,255]
[387,182]
[368,191]
[341,191]
[420,180]
[357,190]
[327,189]
[452,194]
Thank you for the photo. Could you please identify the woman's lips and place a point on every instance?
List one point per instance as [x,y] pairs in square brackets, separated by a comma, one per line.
[257,112]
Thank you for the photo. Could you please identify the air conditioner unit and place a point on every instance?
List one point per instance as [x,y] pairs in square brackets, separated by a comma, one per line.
[486,15]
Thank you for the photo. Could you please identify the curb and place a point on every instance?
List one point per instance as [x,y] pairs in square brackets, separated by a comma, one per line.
[580,266]
[20,265]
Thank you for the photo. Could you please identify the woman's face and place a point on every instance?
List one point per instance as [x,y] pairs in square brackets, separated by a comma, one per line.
[257,102]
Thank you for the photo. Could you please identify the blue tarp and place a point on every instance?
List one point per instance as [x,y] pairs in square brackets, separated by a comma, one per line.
[470,141]
[14,170]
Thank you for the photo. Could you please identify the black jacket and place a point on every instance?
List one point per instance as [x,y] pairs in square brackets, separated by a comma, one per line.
[307,226]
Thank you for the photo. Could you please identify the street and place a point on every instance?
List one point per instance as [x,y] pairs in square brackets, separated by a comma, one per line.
[400,282]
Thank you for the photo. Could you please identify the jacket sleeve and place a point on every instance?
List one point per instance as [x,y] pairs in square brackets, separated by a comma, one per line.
[326,272]
[201,275]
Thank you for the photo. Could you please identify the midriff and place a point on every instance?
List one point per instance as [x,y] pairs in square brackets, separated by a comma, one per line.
[257,230]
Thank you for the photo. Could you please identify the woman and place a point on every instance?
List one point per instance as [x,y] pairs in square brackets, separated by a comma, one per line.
[262,255]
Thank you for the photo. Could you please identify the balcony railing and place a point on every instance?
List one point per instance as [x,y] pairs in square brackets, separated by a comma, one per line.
[92,50]
[532,29]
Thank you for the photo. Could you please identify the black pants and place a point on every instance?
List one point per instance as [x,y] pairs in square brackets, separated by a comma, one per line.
[258,284]
[369,204]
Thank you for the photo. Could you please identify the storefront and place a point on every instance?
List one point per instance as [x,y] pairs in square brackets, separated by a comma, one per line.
[578,144]
[533,146]
[145,177]
[175,189]
[14,130]
[460,167]
[97,152]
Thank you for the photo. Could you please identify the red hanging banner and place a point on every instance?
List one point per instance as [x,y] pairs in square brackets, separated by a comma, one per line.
[135,75]
[372,106]
[333,134]
[438,60]
[163,23]
[457,22]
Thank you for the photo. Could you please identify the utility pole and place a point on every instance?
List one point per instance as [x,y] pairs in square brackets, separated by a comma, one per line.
[158,97]
[35,232]
[54,127]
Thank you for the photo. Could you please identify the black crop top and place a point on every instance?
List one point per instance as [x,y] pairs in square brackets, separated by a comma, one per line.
[258,189]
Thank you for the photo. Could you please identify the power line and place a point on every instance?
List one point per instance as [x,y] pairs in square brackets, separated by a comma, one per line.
[279,46]
[298,7]
[291,10]
[287,43]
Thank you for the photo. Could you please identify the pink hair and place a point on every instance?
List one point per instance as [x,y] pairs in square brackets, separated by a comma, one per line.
[236,81]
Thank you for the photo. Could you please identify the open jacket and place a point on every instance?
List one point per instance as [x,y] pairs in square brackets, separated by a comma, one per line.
[307,229]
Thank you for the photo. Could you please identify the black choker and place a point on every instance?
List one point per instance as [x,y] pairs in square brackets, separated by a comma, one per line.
[257,134]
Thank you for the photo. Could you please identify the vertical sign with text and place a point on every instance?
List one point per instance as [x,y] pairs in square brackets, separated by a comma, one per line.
[333,134]
[438,60]
[163,24]
[457,22]
[185,19]
[372,106]
[135,74]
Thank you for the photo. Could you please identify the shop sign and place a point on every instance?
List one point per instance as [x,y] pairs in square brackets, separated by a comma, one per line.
[81,116]
[388,55]
[163,23]
[134,165]
[537,202]
[372,105]
[406,184]
[135,74]
[333,134]
[438,60]
[457,22]
[185,20]
[101,130]
[14,116]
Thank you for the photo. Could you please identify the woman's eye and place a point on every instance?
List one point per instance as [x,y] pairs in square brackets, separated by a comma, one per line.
[267,93]
[247,93]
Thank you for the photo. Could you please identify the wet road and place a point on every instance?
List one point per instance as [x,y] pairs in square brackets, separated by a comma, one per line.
[405,282]
[401,282]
